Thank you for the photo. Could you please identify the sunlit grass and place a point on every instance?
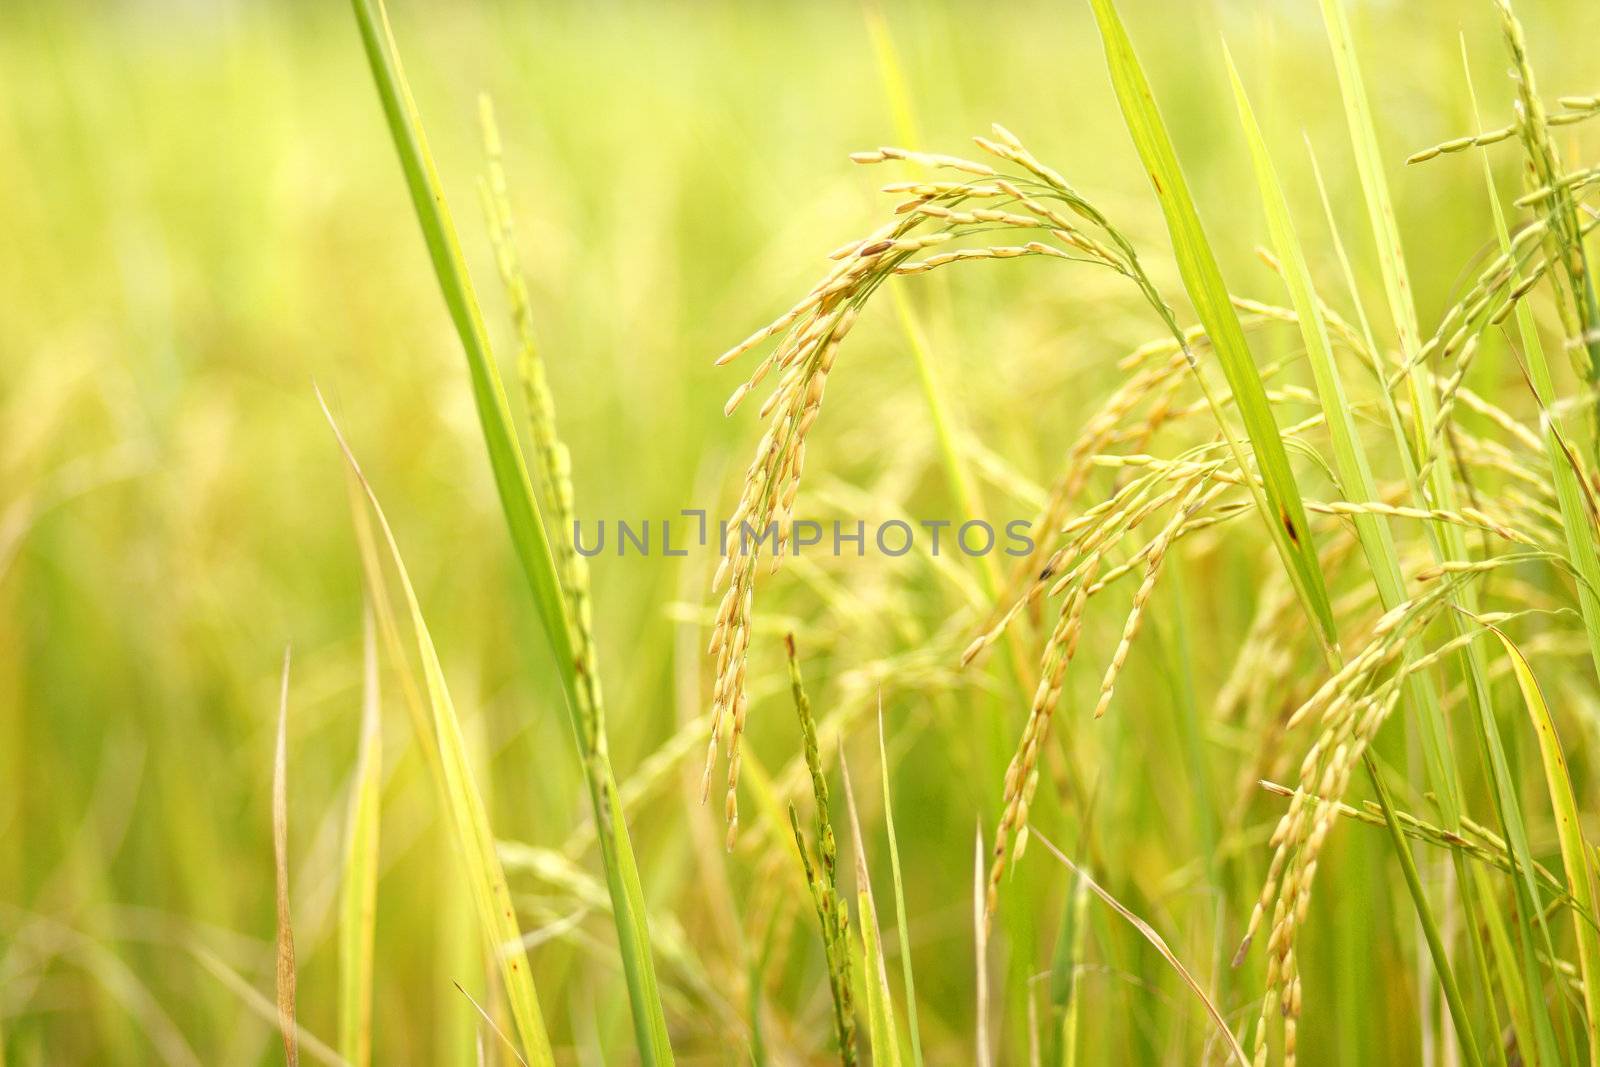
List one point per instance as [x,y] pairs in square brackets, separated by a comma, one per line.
[1299,679]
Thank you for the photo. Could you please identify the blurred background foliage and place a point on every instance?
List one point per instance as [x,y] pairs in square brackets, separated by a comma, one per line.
[201,215]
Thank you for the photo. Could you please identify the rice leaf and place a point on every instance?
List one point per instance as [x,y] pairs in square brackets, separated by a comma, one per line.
[469,820]
[1447,541]
[980,940]
[880,1030]
[1576,522]
[285,983]
[875,975]
[1430,925]
[488,392]
[1149,933]
[1283,512]
[524,521]
[1350,459]
[383,610]
[901,924]
[1377,541]
[1062,1049]
[1569,834]
[358,886]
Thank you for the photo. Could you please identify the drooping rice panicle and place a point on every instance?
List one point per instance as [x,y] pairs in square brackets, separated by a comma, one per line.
[1059,651]
[1130,628]
[162,518]
[812,332]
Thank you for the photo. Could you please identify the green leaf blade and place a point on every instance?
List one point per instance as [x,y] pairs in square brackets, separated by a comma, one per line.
[469,819]
[358,885]
[1202,278]
[523,519]
[1569,835]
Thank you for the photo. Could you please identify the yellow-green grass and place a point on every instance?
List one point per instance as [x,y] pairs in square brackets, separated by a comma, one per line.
[209,215]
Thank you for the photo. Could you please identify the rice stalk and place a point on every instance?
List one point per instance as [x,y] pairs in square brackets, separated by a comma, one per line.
[1448,543]
[1279,499]
[1159,943]
[1377,541]
[884,1040]
[285,977]
[1065,998]
[980,939]
[902,926]
[571,650]
[1576,855]
[1430,927]
[1524,1034]
[358,887]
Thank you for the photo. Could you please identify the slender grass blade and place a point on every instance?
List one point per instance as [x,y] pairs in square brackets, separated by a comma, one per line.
[469,819]
[358,887]
[285,983]
[1284,514]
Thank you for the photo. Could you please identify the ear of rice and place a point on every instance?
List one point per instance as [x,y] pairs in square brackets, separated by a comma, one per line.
[1576,516]
[1580,312]
[823,877]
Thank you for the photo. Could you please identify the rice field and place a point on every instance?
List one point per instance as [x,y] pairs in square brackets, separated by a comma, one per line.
[855,533]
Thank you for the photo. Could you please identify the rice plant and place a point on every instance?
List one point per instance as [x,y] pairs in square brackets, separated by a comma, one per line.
[1131,596]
